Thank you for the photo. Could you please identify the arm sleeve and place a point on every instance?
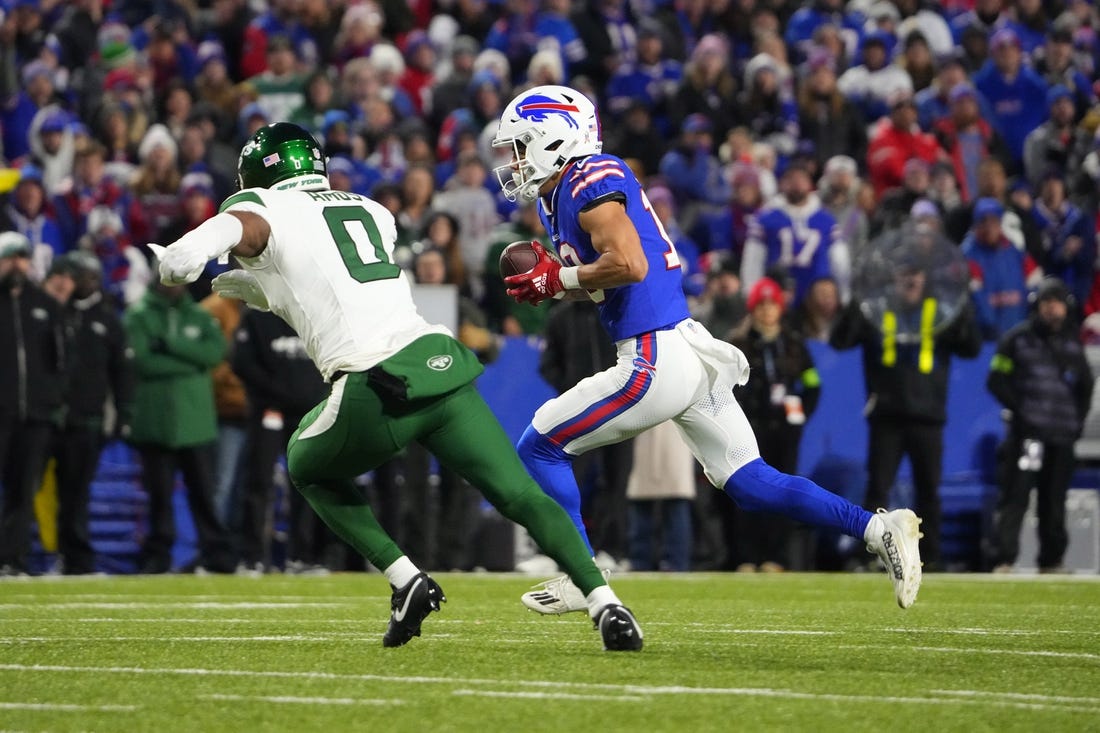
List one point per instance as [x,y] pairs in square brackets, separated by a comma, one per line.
[253,201]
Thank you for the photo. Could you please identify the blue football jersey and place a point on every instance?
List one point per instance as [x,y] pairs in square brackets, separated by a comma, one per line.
[797,238]
[627,311]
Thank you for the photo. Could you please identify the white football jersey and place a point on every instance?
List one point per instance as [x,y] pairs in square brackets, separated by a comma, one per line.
[328,271]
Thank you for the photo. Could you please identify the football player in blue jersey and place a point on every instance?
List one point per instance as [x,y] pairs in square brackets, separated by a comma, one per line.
[613,249]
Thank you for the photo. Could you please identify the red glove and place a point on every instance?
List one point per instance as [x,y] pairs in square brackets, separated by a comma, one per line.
[539,283]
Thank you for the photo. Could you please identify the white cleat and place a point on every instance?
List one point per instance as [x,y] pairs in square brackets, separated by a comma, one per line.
[554,597]
[896,541]
[557,596]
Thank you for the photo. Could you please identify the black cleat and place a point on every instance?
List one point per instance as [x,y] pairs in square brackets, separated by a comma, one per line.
[619,629]
[410,606]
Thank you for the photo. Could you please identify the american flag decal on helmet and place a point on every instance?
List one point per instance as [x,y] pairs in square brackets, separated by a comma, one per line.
[271,160]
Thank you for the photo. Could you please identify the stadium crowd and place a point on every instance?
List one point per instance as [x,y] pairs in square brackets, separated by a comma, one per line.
[777,140]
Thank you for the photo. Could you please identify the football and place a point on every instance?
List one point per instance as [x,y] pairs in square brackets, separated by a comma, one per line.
[517,258]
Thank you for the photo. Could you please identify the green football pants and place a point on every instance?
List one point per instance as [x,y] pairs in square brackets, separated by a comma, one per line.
[356,429]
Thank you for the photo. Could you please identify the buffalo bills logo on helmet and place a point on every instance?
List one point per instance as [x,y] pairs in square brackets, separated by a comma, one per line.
[538,108]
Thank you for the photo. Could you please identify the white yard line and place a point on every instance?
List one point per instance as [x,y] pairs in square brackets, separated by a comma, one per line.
[1004,700]
[233,605]
[202,639]
[546,695]
[304,700]
[1020,696]
[66,707]
[186,620]
[1015,652]
[526,623]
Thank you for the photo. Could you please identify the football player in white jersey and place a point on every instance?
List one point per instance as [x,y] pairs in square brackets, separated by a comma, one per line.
[323,261]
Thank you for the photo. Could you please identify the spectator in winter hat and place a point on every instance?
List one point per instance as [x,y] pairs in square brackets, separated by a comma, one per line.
[212,83]
[1016,94]
[389,67]
[967,138]
[800,28]
[320,99]
[838,190]
[986,18]
[51,146]
[895,204]
[999,271]
[252,118]
[929,22]
[26,212]
[418,77]
[281,87]
[195,204]
[827,119]
[708,87]
[1057,142]
[933,101]
[691,168]
[1068,236]
[895,140]
[917,60]
[1057,66]
[126,271]
[115,47]
[545,68]
[18,111]
[450,91]
[1031,24]
[873,84]
[360,28]
[340,173]
[155,186]
[926,215]
[772,114]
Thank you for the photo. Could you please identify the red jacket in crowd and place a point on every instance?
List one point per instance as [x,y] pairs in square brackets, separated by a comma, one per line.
[888,150]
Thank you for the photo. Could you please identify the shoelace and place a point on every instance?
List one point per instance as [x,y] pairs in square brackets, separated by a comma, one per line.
[554,585]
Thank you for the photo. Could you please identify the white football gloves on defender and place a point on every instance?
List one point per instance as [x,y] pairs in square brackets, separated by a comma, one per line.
[242,285]
[178,265]
[183,261]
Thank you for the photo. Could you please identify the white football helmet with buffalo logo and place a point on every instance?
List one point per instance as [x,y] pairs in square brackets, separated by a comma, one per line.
[546,127]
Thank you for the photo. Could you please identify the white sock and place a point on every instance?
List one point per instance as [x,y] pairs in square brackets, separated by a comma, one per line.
[874,529]
[401,572]
[602,596]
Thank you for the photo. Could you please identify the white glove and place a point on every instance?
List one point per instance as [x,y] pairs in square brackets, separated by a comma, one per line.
[185,259]
[241,285]
[179,264]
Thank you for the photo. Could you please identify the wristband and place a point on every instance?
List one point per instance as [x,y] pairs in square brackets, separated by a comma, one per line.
[570,278]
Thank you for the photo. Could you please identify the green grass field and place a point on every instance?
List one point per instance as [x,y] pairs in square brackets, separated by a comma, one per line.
[723,652]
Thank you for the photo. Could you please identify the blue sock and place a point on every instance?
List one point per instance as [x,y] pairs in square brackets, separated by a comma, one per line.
[552,469]
[757,487]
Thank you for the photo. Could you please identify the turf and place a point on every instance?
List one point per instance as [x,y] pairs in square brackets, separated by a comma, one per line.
[723,652]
